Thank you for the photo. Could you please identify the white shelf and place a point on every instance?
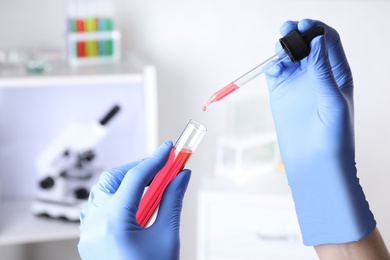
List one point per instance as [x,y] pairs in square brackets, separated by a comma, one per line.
[18,225]
[62,74]
[133,86]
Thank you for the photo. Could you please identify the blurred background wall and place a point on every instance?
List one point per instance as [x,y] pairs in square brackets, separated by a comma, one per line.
[199,46]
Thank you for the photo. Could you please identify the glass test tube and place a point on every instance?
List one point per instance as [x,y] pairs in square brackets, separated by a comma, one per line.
[179,155]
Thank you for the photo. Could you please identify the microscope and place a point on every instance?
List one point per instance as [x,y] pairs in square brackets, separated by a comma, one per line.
[66,169]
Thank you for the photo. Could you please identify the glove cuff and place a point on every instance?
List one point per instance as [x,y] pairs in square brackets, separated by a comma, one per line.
[331,207]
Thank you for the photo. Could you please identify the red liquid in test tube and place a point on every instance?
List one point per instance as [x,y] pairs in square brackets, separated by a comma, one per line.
[179,155]
[153,195]
[81,48]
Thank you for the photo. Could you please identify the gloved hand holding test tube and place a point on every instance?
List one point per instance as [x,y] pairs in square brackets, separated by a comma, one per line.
[180,153]
[296,46]
[112,223]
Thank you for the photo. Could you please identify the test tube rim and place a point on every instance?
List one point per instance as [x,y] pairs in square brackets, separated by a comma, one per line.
[199,126]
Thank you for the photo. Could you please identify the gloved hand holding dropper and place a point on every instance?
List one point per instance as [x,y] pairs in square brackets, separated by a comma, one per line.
[313,111]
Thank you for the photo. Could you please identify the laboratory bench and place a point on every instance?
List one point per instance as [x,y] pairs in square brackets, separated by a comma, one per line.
[20,226]
[34,108]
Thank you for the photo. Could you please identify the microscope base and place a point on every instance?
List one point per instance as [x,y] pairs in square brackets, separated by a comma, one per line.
[65,211]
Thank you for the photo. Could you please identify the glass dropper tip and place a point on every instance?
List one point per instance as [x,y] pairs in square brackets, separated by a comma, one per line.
[220,94]
[211,100]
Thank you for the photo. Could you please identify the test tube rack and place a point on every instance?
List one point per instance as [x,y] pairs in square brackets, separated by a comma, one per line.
[91,37]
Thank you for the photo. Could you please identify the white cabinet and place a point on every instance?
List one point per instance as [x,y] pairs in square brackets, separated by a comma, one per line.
[35,108]
[248,223]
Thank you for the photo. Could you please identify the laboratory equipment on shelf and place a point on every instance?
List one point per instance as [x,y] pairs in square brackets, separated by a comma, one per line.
[91,37]
[66,169]
[247,151]
[295,46]
[179,155]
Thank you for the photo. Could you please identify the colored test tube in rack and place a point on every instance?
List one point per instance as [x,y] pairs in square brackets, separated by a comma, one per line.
[105,24]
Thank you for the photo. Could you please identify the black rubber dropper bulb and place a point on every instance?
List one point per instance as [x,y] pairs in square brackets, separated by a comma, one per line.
[297,45]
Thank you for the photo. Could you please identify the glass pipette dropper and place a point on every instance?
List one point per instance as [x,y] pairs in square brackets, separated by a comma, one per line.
[296,46]
[242,80]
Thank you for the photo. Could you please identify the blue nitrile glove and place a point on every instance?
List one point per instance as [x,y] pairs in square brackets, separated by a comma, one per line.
[312,107]
[109,229]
